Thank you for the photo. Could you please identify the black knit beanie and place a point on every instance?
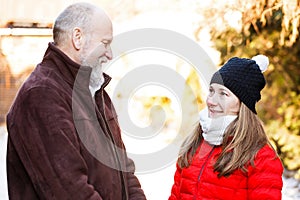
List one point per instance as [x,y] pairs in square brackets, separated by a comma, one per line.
[244,78]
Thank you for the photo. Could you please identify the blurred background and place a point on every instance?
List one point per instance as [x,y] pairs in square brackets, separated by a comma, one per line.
[223,28]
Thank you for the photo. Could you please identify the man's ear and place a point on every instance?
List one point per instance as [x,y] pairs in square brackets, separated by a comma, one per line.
[77,38]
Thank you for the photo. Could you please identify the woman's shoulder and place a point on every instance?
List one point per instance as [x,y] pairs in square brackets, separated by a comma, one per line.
[267,159]
[267,151]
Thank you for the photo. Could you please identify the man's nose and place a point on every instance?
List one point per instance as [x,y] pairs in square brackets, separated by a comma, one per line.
[108,53]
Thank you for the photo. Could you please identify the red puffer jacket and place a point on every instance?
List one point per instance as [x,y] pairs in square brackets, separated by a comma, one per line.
[199,181]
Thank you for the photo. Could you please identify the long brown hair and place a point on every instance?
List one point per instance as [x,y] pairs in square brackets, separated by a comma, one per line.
[242,140]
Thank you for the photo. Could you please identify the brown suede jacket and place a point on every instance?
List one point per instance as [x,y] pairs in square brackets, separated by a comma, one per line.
[63,143]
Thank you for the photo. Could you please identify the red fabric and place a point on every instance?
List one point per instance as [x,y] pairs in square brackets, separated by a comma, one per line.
[199,181]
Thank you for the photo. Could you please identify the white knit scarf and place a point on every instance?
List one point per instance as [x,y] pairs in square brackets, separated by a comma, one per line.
[214,128]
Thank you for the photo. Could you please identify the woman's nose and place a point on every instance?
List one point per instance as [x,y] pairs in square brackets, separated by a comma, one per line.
[211,100]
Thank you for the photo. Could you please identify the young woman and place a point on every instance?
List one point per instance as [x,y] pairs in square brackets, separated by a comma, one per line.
[229,156]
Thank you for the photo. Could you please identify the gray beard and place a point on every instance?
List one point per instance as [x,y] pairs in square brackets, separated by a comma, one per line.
[96,79]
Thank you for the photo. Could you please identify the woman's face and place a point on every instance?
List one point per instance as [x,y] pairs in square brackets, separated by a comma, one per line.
[221,101]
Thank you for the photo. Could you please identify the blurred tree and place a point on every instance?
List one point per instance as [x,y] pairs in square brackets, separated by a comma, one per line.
[270,27]
[7,89]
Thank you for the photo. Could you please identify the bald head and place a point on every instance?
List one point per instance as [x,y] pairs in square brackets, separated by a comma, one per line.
[81,15]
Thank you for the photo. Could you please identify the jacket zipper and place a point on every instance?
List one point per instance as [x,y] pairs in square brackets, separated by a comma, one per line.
[201,171]
[124,185]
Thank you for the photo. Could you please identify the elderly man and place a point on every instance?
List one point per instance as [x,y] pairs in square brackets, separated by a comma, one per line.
[64,140]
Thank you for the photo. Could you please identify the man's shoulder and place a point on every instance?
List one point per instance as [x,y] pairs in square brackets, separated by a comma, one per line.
[40,86]
[41,78]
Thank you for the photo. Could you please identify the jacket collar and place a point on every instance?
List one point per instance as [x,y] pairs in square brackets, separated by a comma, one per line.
[72,72]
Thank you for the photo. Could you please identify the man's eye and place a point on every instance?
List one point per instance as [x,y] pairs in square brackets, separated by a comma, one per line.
[105,43]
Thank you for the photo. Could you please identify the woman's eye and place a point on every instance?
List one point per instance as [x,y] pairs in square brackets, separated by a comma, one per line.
[223,94]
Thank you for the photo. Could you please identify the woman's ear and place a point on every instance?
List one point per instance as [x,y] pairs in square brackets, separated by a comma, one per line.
[77,38]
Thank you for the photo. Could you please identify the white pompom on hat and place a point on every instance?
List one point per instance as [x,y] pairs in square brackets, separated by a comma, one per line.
[262,61]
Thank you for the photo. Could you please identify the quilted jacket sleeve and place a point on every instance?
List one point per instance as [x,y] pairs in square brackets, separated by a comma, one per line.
[176,186]
[265,179]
